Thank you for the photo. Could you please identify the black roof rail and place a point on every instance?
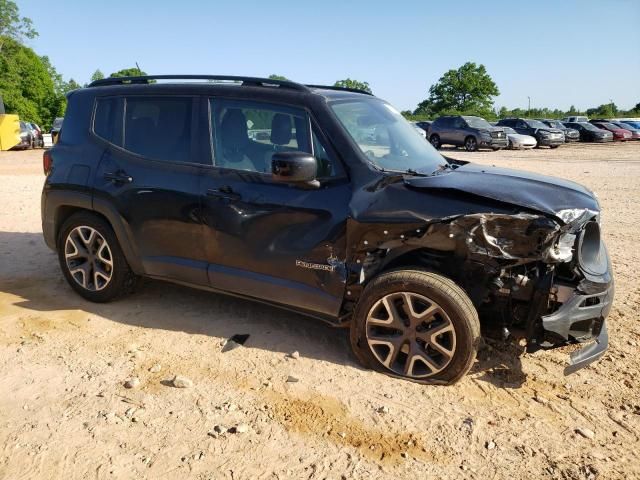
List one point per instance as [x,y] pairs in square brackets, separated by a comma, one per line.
[346,89]
[250,81]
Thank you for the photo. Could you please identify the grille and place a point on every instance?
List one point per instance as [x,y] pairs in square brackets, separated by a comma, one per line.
[498,135]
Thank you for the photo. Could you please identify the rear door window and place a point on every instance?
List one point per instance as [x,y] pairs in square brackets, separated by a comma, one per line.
[159,128]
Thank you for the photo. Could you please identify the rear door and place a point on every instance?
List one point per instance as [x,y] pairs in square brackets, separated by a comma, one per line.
[277,242]
[149,175]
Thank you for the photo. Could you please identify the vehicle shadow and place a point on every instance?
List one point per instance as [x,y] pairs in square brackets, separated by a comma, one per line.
[30,278]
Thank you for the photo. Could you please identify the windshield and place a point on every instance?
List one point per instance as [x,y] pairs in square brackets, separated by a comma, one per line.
[609,126]
[477,122]
[556,124]
[632,124]
[589,126]
[509,130]
[536,124]
[386,138]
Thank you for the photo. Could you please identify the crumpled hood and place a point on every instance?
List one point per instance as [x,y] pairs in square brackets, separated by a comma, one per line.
[524,189]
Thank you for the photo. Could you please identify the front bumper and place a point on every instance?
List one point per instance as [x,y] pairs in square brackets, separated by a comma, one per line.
[583,316]
[494,142]
[548,142]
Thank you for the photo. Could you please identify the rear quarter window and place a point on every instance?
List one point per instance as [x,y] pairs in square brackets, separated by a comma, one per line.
[107,122]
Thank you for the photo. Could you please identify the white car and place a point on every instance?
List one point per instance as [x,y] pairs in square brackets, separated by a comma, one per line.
[518,141]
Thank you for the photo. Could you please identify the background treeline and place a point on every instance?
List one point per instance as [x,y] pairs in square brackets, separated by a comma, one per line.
[32,88]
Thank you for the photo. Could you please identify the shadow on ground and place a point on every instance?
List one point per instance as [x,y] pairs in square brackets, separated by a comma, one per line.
[30,271]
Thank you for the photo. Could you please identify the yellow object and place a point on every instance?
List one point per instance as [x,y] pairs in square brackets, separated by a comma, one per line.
[9,131]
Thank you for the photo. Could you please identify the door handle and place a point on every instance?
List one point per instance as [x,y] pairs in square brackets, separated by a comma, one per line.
[118,177]
[223,192]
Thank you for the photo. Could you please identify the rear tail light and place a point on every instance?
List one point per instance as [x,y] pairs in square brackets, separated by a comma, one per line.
[47,162]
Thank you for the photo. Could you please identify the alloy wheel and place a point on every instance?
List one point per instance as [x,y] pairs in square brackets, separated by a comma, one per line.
[88,257]
[410,334]
[471,145]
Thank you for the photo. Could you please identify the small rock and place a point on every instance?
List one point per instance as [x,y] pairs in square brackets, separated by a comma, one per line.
[130,411]
[585,432]
[132,383]
[404,455]
[342,434]
[220,429]
[230,407]
[388,395]
[134,419]
[540,399]
[242,428]
[383,409]
[295,355]
[156,368]
[291,379]
[181,382]
[490,445]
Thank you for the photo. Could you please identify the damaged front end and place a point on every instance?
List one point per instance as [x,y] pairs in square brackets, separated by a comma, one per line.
[547,276]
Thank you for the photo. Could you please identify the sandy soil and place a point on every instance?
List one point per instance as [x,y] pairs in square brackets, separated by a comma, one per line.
[65,413]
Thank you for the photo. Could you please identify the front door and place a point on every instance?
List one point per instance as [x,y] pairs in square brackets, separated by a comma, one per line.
[277,242]
[149,172]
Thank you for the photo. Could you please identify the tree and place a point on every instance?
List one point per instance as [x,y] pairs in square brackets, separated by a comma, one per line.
[606,110]
[12,25]
[27,84]
[273,76]
[355,84]
[97,75]
[469,89]
[128,72]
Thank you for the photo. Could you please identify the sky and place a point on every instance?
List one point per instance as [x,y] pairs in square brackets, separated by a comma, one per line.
[558,53]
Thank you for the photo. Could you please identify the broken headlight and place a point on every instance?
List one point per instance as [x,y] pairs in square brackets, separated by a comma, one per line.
[592,256]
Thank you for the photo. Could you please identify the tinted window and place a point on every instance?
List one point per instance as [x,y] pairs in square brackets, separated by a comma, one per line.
[328,165]
[246,134]
[106,121]
[159,127]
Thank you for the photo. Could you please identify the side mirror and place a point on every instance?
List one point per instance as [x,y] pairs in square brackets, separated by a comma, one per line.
[295,167]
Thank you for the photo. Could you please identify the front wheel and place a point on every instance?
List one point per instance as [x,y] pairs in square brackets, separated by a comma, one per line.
[416,325]
[435,141]
[554,146]
[471,144]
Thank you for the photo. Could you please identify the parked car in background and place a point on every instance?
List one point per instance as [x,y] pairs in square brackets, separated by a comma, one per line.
[575,119]
[570,134]
[424,124]
[55,128]
[544,134]
[419,129]
[27,137]
[37,131]
[619,134]
[635,132]
[517,141]
[631,123]
[589,132]
[468,131]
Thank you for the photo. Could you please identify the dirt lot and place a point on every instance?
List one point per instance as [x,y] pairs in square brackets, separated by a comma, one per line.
[64,412]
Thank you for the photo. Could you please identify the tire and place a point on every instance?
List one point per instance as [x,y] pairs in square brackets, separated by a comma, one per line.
[554,146]
[455,316]
[76,234]
[435,141]
[470,144]
[495,149]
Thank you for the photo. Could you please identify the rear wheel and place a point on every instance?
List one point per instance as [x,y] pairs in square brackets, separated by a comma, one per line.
[435,141]
[91,258]
[416,325]
[471,144]
[554,146]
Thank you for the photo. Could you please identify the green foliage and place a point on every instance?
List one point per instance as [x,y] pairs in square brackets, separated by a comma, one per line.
[97,75]
[606,110]
[128,72]
[356,84]
[467,90]
[29,85]
[12,25]
[273,76]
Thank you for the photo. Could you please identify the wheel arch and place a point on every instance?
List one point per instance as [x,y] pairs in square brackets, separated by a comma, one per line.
[61,208]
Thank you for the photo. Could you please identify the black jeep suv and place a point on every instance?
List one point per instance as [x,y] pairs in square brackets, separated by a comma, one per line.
[468,131]
[544,134]
[274,191]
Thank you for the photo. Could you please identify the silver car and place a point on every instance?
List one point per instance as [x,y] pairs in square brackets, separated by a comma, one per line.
[518,141]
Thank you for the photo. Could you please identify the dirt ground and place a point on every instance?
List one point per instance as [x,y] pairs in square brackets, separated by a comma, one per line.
[65,413]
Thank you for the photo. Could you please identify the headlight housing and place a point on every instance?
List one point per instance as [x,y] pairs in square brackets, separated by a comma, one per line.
[592,255]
